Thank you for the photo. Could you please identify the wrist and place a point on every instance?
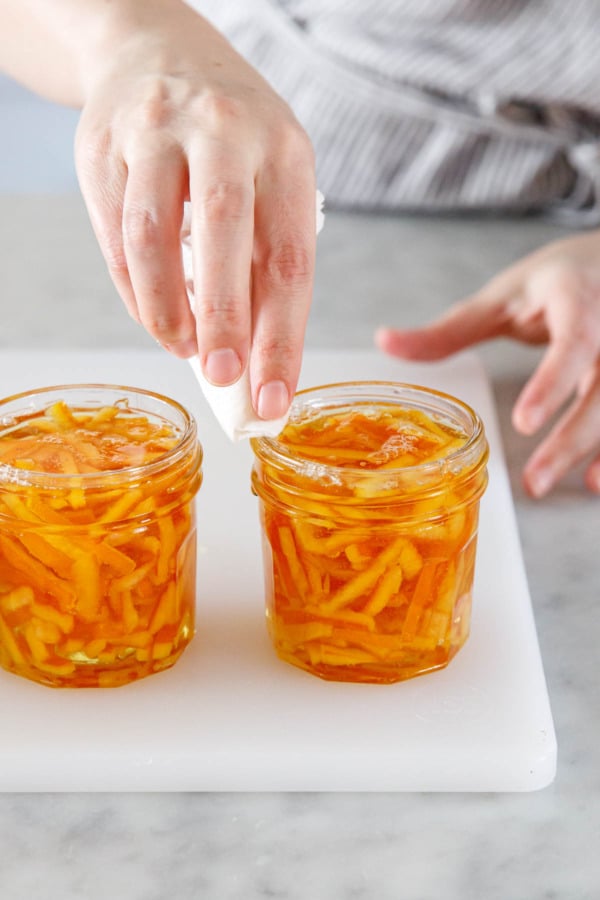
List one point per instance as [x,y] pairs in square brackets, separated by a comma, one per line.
[124,29]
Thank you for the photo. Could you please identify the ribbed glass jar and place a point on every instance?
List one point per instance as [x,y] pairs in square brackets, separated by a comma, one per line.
[369,504]
[97,533]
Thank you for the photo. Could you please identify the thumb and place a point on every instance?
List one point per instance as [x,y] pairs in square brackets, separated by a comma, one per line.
[475,319]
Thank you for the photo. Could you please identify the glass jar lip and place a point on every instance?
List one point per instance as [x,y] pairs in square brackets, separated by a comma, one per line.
[279,455]
[34,478]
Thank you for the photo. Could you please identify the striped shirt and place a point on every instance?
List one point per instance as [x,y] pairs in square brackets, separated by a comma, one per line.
[437,105]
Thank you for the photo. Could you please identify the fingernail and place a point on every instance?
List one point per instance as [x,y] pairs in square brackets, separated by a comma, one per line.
[182,348]
[223,366]
[273,400]
[540,482]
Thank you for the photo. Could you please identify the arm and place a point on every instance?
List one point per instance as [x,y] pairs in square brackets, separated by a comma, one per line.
[171,112]
[53,47]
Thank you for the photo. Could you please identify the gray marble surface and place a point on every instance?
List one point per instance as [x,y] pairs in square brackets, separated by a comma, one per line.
[54,293]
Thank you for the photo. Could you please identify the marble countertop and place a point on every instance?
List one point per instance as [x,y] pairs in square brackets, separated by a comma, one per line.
[55,293]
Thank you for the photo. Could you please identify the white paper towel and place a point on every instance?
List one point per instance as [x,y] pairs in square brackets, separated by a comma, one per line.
[232,405]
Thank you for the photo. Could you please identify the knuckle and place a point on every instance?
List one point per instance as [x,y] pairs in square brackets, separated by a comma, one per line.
[114,255]
[92,149]
[164,325]
[218,111]
[294,147]
[222,311]
[580,338]
[141,229]
[585,339]
[224,200]
[155,110]
[277,346]
[588,388]
[288,264]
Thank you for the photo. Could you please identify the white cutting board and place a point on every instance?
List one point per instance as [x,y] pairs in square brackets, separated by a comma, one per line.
[230,715]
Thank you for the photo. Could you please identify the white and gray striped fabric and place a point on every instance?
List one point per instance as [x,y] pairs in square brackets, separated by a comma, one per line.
[437,105]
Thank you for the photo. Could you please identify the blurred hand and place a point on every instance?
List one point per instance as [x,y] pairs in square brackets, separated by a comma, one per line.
[171,113]
[550,297]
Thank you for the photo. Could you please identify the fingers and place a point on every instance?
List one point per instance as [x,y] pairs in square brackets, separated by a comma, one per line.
[135,207]
[575,436]
[222,192]
[476,319]
[253,238]
[103,177]
[574,343]
[282,280]
[152,214]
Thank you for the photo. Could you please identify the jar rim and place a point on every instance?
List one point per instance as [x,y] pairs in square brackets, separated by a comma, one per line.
[35,478]
[342,393]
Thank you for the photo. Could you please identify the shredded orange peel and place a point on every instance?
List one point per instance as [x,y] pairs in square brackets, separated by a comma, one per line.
[96,587]
[355,597]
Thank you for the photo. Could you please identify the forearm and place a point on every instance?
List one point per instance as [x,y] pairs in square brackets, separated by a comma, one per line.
[56,47]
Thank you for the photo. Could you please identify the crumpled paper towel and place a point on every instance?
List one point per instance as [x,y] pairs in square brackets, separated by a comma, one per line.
[232,405]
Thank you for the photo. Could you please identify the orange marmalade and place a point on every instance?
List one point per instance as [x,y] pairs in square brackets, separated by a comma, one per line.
[97,534]
[369,504]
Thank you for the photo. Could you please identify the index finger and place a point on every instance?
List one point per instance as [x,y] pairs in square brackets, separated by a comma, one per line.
[468,322]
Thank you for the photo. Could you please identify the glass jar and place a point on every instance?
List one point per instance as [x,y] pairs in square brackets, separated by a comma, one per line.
[369,503]
[97,534]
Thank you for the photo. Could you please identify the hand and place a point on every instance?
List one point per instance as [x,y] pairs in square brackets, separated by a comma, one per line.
[553,297]
[172,113]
